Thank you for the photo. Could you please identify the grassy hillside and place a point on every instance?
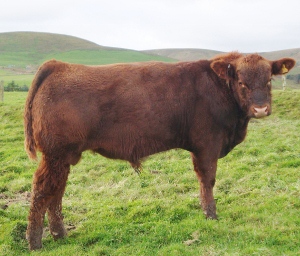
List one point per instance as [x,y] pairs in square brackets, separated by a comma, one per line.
[12,60]
[43,42]
[90,57]
[109,210]
[21,49]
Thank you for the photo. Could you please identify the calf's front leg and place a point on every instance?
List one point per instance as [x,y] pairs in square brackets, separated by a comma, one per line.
[205,168]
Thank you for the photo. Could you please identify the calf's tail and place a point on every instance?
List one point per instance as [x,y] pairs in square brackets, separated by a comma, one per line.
[44,71]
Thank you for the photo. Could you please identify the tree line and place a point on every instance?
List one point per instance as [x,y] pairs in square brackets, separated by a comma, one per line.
[14,87]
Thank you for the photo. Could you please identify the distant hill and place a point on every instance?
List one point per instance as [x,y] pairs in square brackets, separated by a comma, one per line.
[196,54]
[185,54]
[291,53]
[32,48]
[43,42]
[22,49]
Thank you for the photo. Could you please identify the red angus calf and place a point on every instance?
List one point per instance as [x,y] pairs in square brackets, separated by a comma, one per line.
[130,111]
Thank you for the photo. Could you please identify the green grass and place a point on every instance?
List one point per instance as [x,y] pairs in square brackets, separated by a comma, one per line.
[116,212]
[88,57]
[20,59]
[100,57]
[24,79]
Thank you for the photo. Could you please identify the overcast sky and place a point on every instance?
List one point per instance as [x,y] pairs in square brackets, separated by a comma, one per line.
[224,25]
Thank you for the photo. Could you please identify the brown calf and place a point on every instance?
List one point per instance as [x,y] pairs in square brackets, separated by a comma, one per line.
[130,111]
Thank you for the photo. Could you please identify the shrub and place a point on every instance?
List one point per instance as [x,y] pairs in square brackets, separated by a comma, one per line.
[13,87]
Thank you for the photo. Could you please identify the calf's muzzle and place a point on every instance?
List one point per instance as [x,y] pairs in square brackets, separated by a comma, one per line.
[261,111]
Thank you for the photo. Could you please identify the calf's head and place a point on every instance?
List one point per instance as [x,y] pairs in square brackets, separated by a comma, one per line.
[250,79]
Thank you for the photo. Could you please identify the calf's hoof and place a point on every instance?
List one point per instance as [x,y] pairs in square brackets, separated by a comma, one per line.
[58,233]
[212,216]
[57,228]
[210,211]
[34,242]
[34,237]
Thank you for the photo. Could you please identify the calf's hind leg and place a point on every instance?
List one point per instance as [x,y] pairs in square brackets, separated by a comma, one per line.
[47,190]
[54,210]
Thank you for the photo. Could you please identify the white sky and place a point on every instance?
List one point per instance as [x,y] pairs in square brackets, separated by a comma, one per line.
[224,25]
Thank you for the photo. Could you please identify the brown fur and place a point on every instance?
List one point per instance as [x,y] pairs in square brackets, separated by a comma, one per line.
[130,111]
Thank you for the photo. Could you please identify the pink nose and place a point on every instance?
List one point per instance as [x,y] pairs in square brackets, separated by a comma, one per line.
[261,112]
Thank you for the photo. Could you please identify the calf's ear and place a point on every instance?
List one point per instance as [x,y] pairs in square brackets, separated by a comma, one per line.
[282,66]
[222,69]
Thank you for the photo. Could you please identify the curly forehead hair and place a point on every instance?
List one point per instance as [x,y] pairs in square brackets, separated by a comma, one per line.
[251,59]
[228,57]
[253,62]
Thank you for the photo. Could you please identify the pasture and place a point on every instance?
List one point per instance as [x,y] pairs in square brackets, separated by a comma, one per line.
[110,210]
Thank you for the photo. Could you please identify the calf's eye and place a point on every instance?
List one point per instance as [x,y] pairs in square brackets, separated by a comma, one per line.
[242,85]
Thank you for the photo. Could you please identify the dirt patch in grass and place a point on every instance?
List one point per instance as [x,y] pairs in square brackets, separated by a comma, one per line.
[20,197]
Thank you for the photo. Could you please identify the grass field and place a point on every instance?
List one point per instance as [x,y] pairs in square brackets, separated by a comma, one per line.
[109,210]
[89,57]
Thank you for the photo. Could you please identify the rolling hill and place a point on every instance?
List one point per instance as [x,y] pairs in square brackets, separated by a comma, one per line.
[32,48]
[43,42]
[21,49]
[196,54]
